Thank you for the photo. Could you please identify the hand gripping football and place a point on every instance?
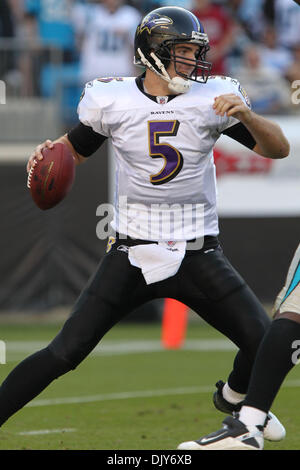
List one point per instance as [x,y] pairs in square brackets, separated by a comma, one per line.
[53,176]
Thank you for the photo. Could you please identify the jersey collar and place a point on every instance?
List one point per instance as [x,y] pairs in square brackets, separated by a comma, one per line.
[139,83]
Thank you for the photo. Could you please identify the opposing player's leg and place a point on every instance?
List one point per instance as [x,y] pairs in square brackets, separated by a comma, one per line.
[275,358]
[273,363]
[279,350]
[248,429]
[105,301]
[232,308]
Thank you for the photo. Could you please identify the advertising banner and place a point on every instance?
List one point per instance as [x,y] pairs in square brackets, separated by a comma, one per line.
[250,185]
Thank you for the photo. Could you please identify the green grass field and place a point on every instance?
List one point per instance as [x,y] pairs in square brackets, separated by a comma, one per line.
[130,393]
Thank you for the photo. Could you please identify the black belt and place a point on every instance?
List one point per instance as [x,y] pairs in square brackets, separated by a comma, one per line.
[196,244]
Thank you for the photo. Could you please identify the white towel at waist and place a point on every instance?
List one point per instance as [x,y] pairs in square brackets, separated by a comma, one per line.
[157,261]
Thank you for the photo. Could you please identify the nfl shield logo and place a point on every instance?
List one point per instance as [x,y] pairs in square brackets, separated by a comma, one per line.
[162,99]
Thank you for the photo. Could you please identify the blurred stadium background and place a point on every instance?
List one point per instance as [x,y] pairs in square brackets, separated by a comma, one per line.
[48,49]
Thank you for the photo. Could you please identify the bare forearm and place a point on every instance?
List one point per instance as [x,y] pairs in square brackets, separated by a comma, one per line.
[270,140]
[37,154]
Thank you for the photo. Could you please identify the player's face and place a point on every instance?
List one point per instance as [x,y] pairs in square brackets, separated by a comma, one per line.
[187,53]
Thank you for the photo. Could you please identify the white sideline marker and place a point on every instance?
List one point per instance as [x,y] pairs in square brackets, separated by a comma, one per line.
[45,431]
[120,396]
[135,394]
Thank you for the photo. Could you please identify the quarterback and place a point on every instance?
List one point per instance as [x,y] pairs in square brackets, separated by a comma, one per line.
[163,126]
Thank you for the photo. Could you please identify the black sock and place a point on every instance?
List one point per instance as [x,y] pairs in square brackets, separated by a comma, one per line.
[272,364]
[27,380]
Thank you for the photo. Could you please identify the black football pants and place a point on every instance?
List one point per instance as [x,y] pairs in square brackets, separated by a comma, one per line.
[205,282]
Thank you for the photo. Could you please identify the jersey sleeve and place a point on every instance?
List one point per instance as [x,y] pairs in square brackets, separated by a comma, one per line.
[233,87]
[90,111]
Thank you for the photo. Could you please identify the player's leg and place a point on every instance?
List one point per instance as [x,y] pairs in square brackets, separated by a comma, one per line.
[247,430]
[231,307]
[279,350]
[214,290]
[275,358]
[272,364]
[106,300]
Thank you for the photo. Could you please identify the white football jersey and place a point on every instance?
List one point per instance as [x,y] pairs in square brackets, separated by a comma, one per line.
[287,21]
[165,172]
[107,40]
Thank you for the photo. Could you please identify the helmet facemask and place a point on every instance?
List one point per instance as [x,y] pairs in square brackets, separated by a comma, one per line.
[155,42]
[200,67]
[161,57]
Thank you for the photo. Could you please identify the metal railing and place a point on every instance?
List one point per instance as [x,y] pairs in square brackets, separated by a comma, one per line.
[21,65]
[41,91]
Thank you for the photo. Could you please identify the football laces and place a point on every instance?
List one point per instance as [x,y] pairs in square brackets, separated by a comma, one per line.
[29,178]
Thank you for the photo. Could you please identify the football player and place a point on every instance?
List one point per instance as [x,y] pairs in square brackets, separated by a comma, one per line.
[105,31]
[277,355]
[163,126]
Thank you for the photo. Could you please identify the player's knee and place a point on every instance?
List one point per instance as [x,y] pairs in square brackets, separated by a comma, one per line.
[294,316]
[68,359]
[58,365]
[71,350]
[91,318]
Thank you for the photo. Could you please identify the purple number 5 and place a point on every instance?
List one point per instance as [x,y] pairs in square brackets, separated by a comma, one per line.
[172,157]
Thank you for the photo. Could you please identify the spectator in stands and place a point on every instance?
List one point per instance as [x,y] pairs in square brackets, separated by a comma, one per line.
[6,31]
[13,65]
[6,20]
[48,31]
[106,30]
[50,21]
[293,71]
[249,15]
[285,16]
[149,5]
[220,30]
[273,55]
[17,11]
[269,92]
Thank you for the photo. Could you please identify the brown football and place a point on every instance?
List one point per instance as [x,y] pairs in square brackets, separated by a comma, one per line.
[52,178]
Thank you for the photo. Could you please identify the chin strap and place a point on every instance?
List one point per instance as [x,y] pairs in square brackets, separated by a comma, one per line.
[176,84]
[179,85]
